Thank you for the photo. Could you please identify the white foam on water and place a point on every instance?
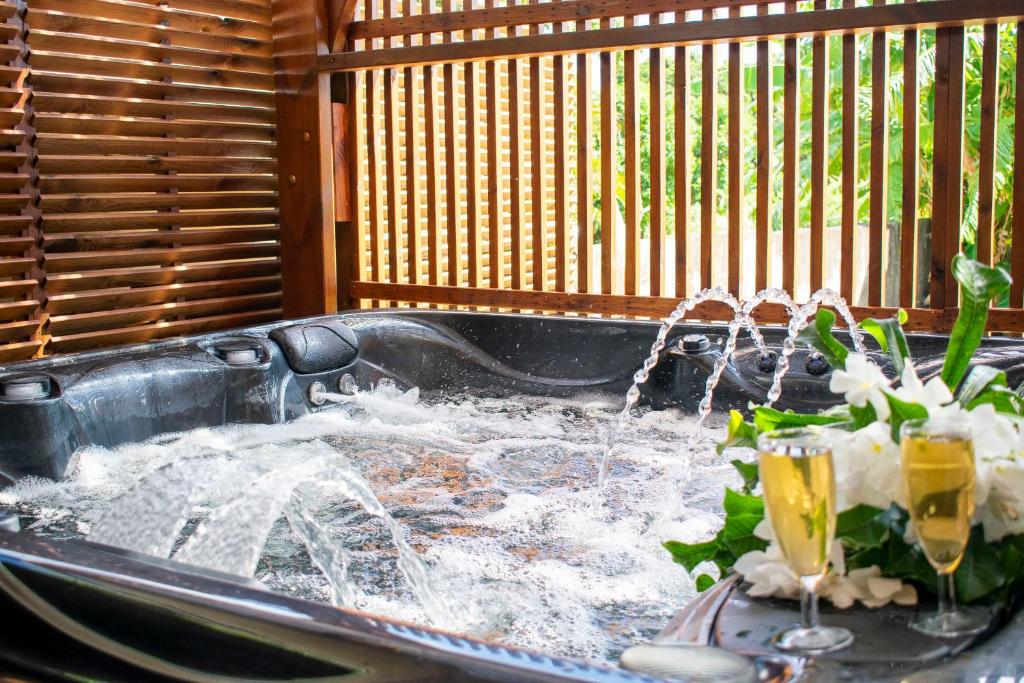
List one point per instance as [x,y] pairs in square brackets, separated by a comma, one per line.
[498,496]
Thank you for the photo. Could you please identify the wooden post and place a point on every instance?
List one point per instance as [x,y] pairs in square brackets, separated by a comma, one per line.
[305,159]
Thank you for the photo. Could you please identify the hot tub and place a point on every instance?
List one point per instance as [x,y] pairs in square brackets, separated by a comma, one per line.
[96,609]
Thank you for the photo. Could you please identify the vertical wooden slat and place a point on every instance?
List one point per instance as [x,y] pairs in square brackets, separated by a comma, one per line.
[608,170]
[453,205]
[584,170]
[911,125]
[517,208]
[357,161]
[708,157]
[631,139]
[413,134]
[819,152]
[378,244]
[392,152]
[1017,237]
[851,79]
[563,235]
[790,152]
[538,170]
[947,163]
[656,224]
[681,123]
[495,146]
[735,171]
[474,209]
[987,143]
[764,160]
[432,133]
[879,180]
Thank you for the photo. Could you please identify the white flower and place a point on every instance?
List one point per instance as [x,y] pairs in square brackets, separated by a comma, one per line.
[861,383]
[769,576]
[932,395]
[867,467]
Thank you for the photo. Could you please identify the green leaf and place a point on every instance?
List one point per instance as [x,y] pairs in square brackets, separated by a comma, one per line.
[741,434]
[901,411]
[1004,400]
[889,335]
[704,582]
[979,284]
[980,378]
[770,419]
[747,470]
[863,416]
[863,527]
[692,554]
[743,513]
[819,337]
[981,571]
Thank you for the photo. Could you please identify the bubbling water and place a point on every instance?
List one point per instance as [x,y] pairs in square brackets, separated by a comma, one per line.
[492,497]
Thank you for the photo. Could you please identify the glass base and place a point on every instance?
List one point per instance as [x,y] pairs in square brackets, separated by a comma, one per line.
[965,621]
[813,641]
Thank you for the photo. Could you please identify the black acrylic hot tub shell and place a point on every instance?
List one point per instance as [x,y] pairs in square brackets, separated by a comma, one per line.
[113,615]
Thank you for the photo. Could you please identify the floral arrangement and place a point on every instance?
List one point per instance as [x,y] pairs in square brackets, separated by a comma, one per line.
[874,558]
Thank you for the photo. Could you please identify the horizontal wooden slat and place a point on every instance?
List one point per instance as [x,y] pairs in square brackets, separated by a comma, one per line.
[63,143]
[10,353]
[14,310]
[153,71]
[136,164]
[77,222]
[126,125]
[11,289]
[138,88]
[613,304]
[82,322]
[134,335]
[11,117]
[129,106]
[54,41]
[13,202]
[153,276]
[63,203]
[733,29]
[152,183]
[15,245]
[10,161]
[17,331]
[7,10]
[247,10]
[175,18]
[142,296]
[15,266]
[66,263]
[57,243]
[69,22]
[12,182]
[10,96]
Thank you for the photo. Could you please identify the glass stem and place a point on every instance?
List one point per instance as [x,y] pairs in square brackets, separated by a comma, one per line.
[946,594]
[809,601]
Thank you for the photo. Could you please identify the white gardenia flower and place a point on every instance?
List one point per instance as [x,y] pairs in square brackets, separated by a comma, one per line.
[932,395]
[769,576]
[867,467]
[862,382]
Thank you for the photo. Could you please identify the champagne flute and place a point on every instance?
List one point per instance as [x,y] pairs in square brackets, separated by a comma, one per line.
[800,495]
[937,458]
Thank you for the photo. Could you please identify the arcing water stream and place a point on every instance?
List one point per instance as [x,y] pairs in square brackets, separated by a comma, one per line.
[485,518]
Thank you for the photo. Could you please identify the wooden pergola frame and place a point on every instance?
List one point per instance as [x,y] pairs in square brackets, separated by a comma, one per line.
[318,244]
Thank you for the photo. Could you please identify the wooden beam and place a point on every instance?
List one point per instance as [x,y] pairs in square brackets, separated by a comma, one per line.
[529,15]
[899,17]
[339,21]
[920,319]
[305,160]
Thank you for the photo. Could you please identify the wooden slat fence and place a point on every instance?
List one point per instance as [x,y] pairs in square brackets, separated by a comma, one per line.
[139,162]
[576,156]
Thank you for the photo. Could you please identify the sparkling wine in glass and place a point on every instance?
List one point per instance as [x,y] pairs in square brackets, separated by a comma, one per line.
[800,495]
[937,458]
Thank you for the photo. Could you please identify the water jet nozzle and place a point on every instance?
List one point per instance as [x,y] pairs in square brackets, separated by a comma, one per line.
[816,364]
[694,343]
[26,388]
[316,393]
[767,361]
